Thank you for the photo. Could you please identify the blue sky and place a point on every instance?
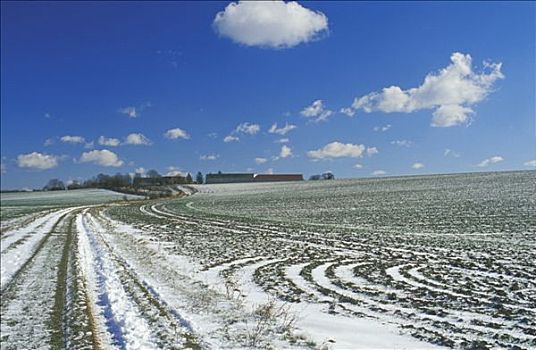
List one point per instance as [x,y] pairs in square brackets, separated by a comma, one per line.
[211,70]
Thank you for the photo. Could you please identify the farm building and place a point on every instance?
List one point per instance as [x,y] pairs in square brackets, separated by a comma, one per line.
[277,177]
[221,178]
[324,176]
[159,181]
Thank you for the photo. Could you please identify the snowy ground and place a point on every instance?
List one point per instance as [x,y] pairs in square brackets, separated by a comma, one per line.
[206,272]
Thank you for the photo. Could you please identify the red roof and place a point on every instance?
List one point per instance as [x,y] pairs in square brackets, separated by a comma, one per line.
[277,177]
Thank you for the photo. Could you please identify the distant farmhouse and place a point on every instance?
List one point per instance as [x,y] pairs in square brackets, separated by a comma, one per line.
[324,176]
[222,178]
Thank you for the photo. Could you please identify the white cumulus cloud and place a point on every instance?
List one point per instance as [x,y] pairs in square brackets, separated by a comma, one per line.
[450,93]
[140,170]
[338,150]
[271,24]
[378,172]
[37,161]
[101,157]
[530,163]
[358,166]
[260,160]
[137,139]
[316,111]
[176,133]
[491,160]
[72,139]
[174,171]
[417,165]
[283,140]
[105,141]
[282,130]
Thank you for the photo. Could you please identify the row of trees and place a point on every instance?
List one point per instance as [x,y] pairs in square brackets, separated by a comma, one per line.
[111,181]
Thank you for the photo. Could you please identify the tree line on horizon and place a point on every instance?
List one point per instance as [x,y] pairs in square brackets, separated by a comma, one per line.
[112,181]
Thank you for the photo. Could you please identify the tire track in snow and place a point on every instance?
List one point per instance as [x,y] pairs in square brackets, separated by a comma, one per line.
[134,313]
[16,261]
[31,306]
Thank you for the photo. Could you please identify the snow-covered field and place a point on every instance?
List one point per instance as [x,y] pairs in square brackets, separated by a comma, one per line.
[19,204]
[394,263]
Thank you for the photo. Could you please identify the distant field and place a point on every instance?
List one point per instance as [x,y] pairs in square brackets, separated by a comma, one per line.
[73,197]
[14,204]
[394,263]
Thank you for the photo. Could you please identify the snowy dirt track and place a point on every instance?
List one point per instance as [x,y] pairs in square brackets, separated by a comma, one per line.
[240,267]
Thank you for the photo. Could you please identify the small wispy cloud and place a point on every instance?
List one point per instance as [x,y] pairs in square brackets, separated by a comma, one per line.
[316,111]
[402,143]
[417,165]
[230,138]
[170,56]
[492,160]
[285,152]
[72,139]
[382,128]
[372,151]
[450,153]
[348,111]
[282,130]
[134,111]
[105,141]
[243,128]
[209,157]
[248,128]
